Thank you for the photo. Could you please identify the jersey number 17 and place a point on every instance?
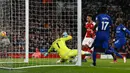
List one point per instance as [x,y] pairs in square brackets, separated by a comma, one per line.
[104,25]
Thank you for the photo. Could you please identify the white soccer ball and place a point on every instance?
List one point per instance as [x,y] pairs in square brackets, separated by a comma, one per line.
[75,60]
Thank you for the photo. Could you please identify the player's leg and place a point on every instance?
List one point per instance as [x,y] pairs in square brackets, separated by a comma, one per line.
[85,43]
[112,52]
[84,56]
[94,58]
[100,44]
[70,56]
[117,45]
[109,50]
[74,53]
[61,61]
[96,45]
[86,46]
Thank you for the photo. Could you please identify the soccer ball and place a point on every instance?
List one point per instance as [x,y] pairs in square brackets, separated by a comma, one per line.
[3,33]
[75,59]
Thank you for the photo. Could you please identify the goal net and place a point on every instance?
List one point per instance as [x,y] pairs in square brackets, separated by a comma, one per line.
[31,26]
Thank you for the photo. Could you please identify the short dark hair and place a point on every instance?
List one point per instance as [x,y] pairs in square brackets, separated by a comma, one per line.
[90,15]
[120,20]
[102,9]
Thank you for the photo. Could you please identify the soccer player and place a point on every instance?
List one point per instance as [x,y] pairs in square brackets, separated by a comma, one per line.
[101,42]
[89,36]
[120,39]
[36,54]
[66,54]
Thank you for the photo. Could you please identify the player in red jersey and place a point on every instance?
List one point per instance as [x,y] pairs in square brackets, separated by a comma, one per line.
[89,36]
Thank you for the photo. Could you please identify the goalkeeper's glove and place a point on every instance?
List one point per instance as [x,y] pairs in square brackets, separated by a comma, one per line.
[46,54]
[65,34]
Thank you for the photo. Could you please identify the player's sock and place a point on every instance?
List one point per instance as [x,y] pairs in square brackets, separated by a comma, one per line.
[119,55]
[94,58]
[86,53]
[124,58]
[83,57]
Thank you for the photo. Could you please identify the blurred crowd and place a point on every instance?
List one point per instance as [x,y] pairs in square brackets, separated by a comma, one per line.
[49,20]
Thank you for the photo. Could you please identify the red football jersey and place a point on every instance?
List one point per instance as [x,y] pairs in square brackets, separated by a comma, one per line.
[89,32]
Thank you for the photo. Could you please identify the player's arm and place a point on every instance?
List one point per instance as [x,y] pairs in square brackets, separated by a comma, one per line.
[69,37]
[97,22]
[66,36]
[92,34]
[126,30]
[50,49]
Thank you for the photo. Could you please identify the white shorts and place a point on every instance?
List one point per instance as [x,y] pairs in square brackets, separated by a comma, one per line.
[88,41]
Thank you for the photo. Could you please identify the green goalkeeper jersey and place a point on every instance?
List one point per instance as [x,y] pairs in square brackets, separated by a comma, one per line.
[59,45]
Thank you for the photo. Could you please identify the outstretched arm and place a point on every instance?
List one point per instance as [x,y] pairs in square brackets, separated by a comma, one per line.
[69,37]
[126,30]
[97,22]
[50,49]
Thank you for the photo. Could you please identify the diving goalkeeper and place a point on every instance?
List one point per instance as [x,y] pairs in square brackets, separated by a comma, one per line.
[66,54]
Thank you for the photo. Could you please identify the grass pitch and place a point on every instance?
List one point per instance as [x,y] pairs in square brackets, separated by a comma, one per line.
[103,66]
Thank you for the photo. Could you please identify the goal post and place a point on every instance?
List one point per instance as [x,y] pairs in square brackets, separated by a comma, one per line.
[79,23]
[33,25]
[27,30]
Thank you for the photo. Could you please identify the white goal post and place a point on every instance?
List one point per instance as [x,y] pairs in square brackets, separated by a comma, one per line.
[32,26]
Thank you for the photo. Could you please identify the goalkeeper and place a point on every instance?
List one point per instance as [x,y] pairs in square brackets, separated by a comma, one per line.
[66,54]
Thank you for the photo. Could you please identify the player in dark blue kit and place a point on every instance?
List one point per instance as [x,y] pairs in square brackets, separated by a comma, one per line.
[120,39]
[101,43]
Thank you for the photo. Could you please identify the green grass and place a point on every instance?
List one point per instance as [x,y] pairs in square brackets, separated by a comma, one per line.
[103,66]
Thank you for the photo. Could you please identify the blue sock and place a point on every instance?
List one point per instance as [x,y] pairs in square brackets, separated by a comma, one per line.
[94,57]
[113,50]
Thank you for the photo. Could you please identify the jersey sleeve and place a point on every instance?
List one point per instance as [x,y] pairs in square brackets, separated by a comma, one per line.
[125,29]
[96,24]
[97,18]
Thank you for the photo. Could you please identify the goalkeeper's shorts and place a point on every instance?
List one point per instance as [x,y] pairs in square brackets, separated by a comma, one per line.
[70,54]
